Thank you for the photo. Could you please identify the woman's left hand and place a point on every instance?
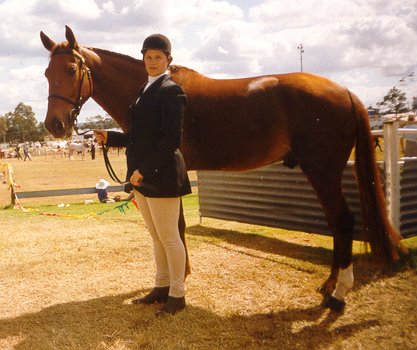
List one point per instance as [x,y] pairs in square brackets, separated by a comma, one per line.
[136,178]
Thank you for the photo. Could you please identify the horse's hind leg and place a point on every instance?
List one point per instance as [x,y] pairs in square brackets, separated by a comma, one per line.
[328,186]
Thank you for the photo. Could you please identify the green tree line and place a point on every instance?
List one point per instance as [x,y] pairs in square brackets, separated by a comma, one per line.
[21,125]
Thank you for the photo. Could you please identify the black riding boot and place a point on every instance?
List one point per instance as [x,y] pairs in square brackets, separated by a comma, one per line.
[172,306]
[156,295]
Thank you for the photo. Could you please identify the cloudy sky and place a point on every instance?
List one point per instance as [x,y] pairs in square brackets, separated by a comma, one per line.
[366,45]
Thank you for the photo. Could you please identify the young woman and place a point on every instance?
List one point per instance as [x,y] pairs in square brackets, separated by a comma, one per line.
[157,172]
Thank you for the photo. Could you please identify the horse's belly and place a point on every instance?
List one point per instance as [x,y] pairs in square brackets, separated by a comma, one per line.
[234,156]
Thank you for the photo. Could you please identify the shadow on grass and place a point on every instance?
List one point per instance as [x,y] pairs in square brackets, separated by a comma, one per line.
[109,322]
[364,270]
[316,255]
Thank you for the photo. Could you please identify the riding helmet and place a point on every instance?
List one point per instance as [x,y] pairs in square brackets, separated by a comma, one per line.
[157,42]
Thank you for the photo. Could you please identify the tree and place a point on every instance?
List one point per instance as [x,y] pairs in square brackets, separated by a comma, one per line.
[41,132]
[21,124]
[99,122]
[3,128]
[394,102]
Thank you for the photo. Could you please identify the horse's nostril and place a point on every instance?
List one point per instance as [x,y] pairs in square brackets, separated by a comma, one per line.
[59,125]
[56,127]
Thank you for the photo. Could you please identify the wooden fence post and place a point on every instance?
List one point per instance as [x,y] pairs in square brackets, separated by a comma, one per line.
[392,172]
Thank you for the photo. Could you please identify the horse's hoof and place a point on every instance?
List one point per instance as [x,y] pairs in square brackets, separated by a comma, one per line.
[333,304]
[325,291]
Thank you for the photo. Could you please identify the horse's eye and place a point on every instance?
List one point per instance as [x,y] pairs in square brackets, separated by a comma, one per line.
[72,70]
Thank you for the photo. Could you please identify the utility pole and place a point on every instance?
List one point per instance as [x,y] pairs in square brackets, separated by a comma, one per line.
[301,49]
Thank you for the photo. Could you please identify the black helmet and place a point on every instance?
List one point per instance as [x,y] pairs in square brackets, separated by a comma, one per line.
[157,42]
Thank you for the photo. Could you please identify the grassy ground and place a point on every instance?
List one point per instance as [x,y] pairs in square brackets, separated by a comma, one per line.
[66,280]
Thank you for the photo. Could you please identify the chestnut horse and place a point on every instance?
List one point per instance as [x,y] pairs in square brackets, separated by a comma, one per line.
[241,124]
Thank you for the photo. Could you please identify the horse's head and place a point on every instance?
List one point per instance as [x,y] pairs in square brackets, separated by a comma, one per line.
[70,84]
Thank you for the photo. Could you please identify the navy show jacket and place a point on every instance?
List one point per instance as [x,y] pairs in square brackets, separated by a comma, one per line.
[152,144]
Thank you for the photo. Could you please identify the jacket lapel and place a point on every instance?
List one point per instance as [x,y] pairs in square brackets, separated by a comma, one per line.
[156,85]
[139,94]
[143,94]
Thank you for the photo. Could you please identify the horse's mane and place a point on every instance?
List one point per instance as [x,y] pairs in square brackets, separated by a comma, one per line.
[63,46]
[115,54]
[174,68]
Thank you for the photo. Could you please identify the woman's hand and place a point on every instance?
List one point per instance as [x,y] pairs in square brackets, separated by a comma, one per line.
[136,178]
[101,136]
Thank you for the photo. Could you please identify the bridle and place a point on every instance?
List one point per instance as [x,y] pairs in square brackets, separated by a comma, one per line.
[78,103]
[85,71]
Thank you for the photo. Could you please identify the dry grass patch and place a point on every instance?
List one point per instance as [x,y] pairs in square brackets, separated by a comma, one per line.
[66,283]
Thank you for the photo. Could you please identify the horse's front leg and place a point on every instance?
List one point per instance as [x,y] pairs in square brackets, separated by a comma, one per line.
[335,289]
[328,287]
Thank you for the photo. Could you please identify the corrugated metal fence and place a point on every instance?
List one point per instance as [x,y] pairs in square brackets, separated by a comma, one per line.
[280,197]
[408,198]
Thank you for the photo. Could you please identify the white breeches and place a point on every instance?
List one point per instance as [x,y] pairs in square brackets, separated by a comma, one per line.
[161,218]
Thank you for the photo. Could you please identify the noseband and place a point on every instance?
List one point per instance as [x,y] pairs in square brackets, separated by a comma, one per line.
[79,103]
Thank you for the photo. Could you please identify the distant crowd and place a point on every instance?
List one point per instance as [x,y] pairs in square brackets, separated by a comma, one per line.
[26,150]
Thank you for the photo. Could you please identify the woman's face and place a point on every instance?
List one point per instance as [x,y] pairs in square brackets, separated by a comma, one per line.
[156,62]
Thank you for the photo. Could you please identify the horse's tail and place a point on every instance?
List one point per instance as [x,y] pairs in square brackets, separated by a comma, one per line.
[376,227]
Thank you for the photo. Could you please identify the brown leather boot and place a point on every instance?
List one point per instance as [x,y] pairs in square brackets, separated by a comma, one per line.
[172,306]
[156,295]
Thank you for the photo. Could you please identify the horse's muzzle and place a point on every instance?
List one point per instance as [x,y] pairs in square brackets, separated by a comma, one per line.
[57,127]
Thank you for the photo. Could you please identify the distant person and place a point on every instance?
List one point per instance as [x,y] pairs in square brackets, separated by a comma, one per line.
[37,145]
[93,150]
[377,143]
[103,196]
[26,152]
[17,151]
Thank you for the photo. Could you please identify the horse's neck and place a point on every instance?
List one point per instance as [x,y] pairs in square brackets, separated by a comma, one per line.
[116,81]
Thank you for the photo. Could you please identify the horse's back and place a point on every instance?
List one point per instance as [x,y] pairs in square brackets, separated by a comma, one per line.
[251,122]
[300,91]
[196,83]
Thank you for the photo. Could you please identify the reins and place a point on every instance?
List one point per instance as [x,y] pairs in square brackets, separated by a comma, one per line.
[109,167]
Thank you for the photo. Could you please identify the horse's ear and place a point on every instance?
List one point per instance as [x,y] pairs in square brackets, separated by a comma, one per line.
[71,38]
[47,43]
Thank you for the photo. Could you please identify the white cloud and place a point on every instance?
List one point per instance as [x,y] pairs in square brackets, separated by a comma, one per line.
[27,73]
[80,9]
[366,45]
